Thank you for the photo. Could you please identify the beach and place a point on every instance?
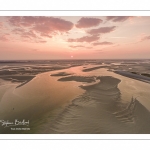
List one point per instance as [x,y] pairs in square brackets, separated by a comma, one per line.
[76,96]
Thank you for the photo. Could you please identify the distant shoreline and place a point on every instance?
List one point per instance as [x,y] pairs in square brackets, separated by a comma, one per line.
[133,76]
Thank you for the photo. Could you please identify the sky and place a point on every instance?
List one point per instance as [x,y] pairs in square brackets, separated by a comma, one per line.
[74,37]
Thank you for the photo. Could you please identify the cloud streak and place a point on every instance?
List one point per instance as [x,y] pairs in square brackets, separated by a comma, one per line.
[87,39]
[76,46]
[86,22]
[79,46]
[118,18]
[102,30]
[102,43]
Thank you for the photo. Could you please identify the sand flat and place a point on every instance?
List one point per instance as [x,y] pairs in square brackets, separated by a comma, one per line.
[71,100]
[46,95]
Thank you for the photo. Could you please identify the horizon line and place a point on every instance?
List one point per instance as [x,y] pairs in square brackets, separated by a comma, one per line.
[75,10]
[75,59]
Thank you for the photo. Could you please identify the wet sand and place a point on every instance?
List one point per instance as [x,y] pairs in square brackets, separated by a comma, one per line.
[71,99]
[100,110]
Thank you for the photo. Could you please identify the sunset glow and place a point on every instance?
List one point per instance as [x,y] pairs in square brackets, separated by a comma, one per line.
[104,37]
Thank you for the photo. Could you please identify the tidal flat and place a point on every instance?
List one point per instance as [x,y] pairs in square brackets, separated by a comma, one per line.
[76,96]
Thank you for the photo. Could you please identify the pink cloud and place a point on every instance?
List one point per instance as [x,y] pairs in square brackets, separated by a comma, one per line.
[35,28]
[18,30]
[42,25]
[46,35]
[15,21]
[85,39]
[118,18]
[23,33]
[102,43]
[85,22]
[101,30]
[28,36]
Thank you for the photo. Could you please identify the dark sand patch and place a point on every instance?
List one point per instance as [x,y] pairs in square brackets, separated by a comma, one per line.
[7,72]
[30,70]
[106,82]
[24,83]
[93,68]
[134,72]
[129,63]
[145,74]
[24,79]
[17,78]
[61,74]
[78,79]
